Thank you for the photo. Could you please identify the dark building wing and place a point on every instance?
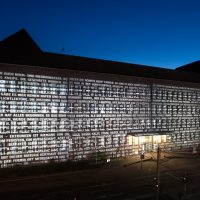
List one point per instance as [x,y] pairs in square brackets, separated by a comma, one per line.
[21,49]
[20,42]
[191,67]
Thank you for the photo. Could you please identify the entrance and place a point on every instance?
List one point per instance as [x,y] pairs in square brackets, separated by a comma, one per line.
[147,143]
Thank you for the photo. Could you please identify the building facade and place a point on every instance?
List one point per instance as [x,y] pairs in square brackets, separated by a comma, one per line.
[49,114]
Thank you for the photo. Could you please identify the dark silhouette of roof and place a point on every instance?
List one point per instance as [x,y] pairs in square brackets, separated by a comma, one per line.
[191,67]
[21,49]
[19,42]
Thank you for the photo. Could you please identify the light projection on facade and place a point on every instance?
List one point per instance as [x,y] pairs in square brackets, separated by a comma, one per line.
[45,118]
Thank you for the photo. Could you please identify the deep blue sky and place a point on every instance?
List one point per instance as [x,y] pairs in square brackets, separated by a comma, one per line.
[164,33]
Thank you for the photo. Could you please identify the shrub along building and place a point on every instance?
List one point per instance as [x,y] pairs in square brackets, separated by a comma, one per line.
[60,107]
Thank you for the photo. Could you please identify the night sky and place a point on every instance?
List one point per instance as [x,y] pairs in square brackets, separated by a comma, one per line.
[164,33]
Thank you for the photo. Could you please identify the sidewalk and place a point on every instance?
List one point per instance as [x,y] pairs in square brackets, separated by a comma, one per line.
[164,156]
[61,168]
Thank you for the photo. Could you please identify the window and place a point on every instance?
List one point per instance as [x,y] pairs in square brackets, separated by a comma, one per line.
[2,86]
[12,86]
[13,107]
[34,87]
[44,87]
[53,88]
[63,89]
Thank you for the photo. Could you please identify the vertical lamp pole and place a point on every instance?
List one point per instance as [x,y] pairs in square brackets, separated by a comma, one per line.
[141,159]
[158,174]
[96,160]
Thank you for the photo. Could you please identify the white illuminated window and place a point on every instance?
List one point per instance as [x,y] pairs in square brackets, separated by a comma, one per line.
[2,106]
[23,87]
[12,86]
[2,86]
[44,108]
[62,107]
[53,88]
[53,107]
[34,107]
[23,106]
[34,87]
[13,106]
[63,89]
[44,87]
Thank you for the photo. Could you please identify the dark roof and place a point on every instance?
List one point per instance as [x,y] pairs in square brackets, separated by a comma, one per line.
[19,42]
[191,67]
[21,49]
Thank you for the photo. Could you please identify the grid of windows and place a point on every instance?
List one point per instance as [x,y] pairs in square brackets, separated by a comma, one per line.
[46,118]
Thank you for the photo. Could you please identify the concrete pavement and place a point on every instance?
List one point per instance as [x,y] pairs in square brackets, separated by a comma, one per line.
[124,179]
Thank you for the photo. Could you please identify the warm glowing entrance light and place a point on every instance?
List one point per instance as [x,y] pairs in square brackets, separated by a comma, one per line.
[146,142]
[156,139]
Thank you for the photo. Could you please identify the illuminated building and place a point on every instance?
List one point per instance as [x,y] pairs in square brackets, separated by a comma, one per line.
[59,107]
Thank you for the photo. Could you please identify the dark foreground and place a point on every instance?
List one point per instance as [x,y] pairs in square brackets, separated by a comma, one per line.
[124,180]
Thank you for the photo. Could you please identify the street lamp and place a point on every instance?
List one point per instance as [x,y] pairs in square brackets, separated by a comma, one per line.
[158,174]
[141,159]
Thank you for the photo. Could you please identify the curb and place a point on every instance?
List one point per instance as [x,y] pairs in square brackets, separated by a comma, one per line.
[139,161]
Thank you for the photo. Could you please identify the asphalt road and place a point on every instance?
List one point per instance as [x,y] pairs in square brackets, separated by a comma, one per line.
[126,180]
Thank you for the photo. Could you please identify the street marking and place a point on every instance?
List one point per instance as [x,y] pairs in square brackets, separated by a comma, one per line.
[193,195]
[109,195]
[144,196]
[44,176]
[173,176]
[102,184]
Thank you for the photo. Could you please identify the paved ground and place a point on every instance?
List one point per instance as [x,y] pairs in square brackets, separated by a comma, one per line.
[124,180]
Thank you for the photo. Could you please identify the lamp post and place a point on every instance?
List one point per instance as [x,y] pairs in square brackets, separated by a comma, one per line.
[158,174]
[185,181]
[141,159]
